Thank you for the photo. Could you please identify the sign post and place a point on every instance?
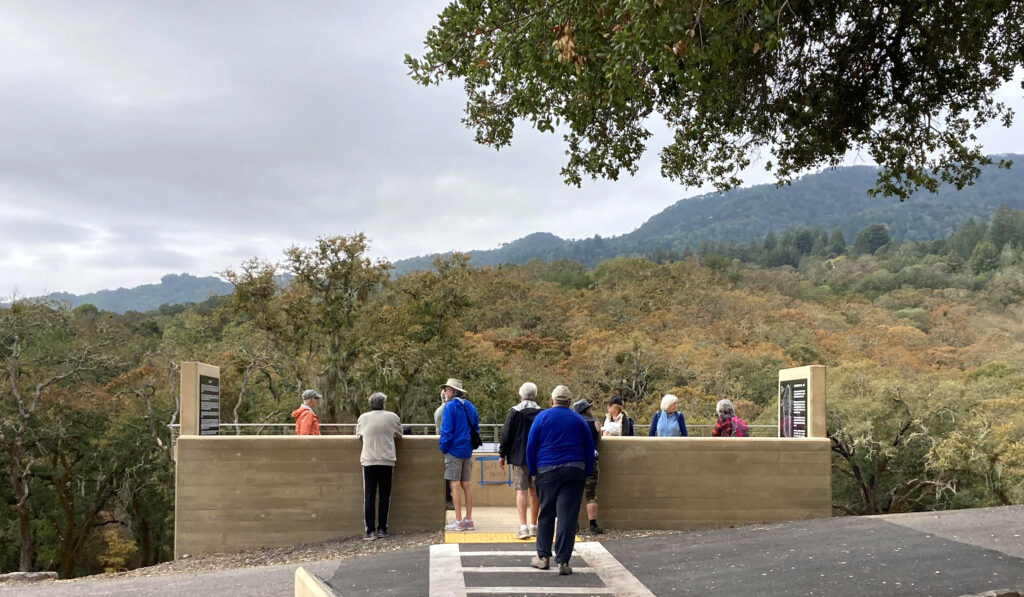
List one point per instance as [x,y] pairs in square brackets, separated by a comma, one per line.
[200,398]
[802,402]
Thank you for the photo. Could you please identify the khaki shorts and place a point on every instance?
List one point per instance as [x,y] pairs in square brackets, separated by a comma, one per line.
[590,486]
[521,480]
[457,469]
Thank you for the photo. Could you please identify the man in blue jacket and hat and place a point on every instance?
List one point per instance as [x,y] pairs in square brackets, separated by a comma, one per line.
[560,455]
[457,418]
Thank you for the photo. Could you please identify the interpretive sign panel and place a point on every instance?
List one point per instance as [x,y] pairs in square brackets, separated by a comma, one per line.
[793,408]
[200,398]
[209,405]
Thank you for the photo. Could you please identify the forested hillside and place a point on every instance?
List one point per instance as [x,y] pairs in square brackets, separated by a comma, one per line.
[833,199]
[173,289]
[924,344]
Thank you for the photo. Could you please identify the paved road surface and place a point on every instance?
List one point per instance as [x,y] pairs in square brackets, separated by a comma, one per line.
[950,553]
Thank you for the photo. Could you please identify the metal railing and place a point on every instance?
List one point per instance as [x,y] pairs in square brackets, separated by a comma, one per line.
[489,432]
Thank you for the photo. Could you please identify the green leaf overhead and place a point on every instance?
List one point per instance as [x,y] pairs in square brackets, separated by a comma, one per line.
[907,82]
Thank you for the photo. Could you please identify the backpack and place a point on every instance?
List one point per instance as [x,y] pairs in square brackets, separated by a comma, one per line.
[739,428]
[627,426]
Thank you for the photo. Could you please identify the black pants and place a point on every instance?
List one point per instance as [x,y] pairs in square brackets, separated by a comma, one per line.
[560,492]
[376,481]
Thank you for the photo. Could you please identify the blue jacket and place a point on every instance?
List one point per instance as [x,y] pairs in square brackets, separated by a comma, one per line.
[455,430]
[679,419]
[558,436]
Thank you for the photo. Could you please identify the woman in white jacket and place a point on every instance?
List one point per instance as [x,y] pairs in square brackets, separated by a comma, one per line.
[616,422]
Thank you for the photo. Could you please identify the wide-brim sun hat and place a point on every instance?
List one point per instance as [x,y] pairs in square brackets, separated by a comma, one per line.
[581,406]
[455,384]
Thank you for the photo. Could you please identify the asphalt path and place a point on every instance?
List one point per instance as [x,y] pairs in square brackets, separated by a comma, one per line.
[951,553]
[918,555]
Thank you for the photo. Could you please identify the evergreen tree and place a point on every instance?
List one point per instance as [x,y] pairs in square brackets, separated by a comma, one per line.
[836,243]
[1007,227]
[871,239]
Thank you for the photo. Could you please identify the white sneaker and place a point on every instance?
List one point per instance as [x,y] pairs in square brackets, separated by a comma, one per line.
[455,525]
[533,530]
[524,533]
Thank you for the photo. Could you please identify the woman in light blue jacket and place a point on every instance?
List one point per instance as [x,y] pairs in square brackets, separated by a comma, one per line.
[668,422]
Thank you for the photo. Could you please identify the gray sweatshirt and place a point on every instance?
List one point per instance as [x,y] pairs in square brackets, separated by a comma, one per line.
[378,429]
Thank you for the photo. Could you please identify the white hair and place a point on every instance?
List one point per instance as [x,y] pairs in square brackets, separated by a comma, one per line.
[668,400]
[528,391]
[377,401]
[724,407]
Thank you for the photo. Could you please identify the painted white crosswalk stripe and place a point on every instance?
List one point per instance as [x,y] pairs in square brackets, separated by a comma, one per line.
[446,571]
[576,569]
[611,571]
[535,590]
[448,574]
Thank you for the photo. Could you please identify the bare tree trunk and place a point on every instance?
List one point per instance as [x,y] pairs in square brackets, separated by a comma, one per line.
[142,532]
[250,368]
[20,487]
[20,469]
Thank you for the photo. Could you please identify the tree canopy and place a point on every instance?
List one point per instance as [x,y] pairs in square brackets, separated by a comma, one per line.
[922,340]
[908,82]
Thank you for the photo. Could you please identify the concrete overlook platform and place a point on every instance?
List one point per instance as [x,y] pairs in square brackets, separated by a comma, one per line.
[962,552]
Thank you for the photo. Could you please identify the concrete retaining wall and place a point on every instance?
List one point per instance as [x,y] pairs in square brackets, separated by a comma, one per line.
[235,493]
[703,483]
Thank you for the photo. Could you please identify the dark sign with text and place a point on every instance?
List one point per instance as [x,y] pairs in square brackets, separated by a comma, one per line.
[793,408]
[209,405]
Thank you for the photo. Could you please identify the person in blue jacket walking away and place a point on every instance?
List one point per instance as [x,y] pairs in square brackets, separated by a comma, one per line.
[668,422]
[560,455]
[457,418]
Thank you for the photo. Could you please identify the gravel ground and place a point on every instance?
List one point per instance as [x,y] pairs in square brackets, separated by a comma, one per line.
[335,549]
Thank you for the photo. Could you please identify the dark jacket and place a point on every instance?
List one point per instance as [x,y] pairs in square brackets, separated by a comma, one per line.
[679,419]
[515,432]
[627,425]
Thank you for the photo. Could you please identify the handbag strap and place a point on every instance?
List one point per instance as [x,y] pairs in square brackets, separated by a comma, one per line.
[465,411]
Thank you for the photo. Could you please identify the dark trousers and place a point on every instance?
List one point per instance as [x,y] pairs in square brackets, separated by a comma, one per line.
[376,481]
[560,492]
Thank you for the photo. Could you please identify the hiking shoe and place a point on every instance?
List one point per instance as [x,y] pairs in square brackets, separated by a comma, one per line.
[564,569]
[595,530]
[381,534]
[371,536]
[533,530]
[455,525]
[541,563]
[467,524]
[523,534]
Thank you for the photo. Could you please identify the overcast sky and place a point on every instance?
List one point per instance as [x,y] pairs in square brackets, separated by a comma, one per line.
[145,138]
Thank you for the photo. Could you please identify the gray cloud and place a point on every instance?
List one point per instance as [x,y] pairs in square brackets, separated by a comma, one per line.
[175,136]
[31,231]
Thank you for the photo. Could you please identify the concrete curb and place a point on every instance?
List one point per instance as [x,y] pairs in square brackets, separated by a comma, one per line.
[308,584]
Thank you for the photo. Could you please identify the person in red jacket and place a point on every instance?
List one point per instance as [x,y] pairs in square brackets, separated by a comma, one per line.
[306,421]
[728,424]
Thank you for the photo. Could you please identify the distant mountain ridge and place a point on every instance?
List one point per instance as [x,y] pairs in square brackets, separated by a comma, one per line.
[828,200]
[173,289]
